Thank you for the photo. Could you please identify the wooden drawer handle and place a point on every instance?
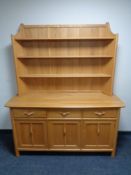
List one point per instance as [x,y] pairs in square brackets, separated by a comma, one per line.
[29,114]
[64,114]
[99,113]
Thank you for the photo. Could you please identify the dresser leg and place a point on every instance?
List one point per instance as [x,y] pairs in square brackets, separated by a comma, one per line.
[17,153]
[113,153]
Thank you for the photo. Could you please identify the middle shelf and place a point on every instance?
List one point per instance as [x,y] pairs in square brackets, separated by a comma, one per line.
[64,57]
[98,38]
[65,75]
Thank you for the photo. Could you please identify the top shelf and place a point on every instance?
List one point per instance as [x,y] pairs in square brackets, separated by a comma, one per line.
[66,57]
[64,39]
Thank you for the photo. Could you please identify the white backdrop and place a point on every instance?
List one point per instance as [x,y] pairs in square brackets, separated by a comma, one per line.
[117,13]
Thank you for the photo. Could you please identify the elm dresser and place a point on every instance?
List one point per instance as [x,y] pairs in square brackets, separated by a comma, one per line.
[65,99]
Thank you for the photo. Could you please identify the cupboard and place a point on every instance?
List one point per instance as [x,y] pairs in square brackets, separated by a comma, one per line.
[65,99]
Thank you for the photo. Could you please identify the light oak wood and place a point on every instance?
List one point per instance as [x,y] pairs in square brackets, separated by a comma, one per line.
[28,113]
[67,129]
[65,57]
[63,75]
[17,153]
[98,134]
[64,113]
[64,134]
[31,134]
[63,39]
[65,98]
[45,44]
[101,113]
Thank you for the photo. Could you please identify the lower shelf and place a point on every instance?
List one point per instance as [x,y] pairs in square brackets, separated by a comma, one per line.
[66,75]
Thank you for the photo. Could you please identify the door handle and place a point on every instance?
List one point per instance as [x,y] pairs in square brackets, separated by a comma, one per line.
[64,114]
[29,114]
[100,113]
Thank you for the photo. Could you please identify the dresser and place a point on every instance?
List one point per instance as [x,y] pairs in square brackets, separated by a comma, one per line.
[65,79]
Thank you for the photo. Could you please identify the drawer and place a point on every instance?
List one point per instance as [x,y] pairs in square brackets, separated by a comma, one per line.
[103,113]
[29,113]
[64,113]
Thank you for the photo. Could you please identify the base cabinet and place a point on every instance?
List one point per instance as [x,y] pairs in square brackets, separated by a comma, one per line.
[67,130]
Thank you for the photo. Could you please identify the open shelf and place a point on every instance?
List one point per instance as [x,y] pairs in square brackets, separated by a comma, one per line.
[64,39]
[65,76]
[71,58]
[64,57]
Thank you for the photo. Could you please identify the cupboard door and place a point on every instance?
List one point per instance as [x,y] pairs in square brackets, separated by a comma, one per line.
[89,134]
[64,134]
[39,134]
[72,136]
[106,134]
[31,134]
[56,134]
[98,134]
[23,132]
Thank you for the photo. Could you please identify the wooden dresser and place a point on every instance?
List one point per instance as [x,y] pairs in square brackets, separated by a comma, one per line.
[65,98]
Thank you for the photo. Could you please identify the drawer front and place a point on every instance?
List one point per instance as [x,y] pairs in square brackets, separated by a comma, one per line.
[101,113]
[64,113]
[29,113]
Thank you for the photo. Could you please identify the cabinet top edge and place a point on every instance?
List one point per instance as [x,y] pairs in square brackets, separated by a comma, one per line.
[63,25]
[66,100]
[31,29]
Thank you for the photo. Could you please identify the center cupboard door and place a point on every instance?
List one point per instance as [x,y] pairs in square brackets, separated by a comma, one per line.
[64,134]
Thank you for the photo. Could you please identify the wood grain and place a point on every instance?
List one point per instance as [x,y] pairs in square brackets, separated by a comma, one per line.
[65,79]
[83,51]
[65,100]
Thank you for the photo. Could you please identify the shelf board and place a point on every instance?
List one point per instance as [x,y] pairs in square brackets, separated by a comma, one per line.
[64,57]
[64,39]
[65,76]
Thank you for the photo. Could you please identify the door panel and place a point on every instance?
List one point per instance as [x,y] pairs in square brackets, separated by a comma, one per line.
[39,134]
[56,134]
[105,138]
[23,133]
[64,134]
[31,134]
[72,134]
[89,134]
[98,134]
